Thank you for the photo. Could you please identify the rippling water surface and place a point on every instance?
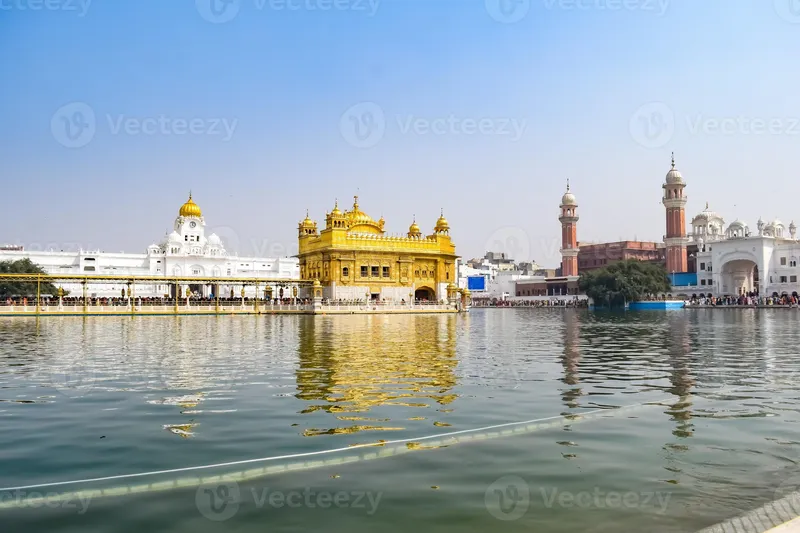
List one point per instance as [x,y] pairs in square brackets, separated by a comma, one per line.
[84,398]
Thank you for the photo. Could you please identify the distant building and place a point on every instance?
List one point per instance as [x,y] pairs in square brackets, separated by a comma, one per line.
[592,256]
[186,252]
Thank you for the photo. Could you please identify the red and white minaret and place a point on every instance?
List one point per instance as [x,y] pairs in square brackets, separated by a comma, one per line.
[569,234]
[675,239]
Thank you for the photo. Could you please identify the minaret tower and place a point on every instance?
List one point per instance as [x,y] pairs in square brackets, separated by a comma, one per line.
[675,239]
[569,234]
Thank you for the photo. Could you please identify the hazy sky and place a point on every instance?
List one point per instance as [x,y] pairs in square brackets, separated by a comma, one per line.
[113,110]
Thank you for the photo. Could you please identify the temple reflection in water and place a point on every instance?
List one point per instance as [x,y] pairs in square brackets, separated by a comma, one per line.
[679,348]
[570,358]
[351,366]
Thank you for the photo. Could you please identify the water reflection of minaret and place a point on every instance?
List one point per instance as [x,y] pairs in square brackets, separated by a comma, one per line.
[349,366]
[572,392]
[679,348]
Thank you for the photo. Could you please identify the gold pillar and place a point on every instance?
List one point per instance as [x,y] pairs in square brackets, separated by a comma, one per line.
[85,308]
[177,295]
[256,308]
[38,293]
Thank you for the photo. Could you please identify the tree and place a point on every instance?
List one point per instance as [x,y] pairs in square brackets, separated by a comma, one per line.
[624,281]
[12,288]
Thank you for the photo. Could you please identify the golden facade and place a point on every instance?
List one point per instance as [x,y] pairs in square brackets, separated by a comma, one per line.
[355,259]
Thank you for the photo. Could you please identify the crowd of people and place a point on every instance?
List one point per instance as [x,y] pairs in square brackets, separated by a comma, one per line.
[572,302]
[751,299]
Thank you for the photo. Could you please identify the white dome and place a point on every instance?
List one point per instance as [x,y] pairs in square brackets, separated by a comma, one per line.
[776,223]
[568,198]
[737,224]
[214,240]
[674,177]
[707,215]
[174,237]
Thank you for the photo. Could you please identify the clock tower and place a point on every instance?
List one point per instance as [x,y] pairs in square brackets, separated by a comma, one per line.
[190,224]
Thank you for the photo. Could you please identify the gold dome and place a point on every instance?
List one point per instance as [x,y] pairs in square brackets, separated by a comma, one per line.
[190,209]
[413,229]
[441,223]
[307,222]
[336,211]
[356,216]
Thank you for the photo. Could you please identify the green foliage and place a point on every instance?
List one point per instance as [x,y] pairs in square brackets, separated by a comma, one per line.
[624,281]
[10,288]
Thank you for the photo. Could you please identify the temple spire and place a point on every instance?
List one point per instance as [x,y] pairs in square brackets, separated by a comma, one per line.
[673,159]
[567,184]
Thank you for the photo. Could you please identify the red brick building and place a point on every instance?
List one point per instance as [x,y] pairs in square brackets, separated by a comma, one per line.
[591,256]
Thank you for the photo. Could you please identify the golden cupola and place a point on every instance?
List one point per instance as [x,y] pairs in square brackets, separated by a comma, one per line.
[336,219]
[413,229]
[442,226]
[307,226]
[190,209]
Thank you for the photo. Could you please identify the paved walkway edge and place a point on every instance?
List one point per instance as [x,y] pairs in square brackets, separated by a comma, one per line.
[780,516]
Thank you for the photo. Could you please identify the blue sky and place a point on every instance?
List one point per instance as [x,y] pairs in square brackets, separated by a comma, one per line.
[456,107]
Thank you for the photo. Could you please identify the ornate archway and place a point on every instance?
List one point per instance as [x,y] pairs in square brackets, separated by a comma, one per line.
[739,277]
[739,273]
[424,293]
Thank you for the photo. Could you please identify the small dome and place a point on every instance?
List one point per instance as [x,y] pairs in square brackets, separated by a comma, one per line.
[214,240]
[737,224]
[307,222]
[674,176]
[706,215]
[568,198]
[441,223]
[190,209]
[776,223]
[413,229]
[175,237]
[336,211]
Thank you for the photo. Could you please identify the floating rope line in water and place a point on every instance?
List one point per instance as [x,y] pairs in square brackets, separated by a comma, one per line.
[447,439]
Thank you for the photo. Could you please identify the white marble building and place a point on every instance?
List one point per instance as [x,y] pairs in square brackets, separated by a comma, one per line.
[733,260]
[186,252]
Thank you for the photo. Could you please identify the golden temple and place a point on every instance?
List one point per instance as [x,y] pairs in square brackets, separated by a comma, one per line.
[354,259]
